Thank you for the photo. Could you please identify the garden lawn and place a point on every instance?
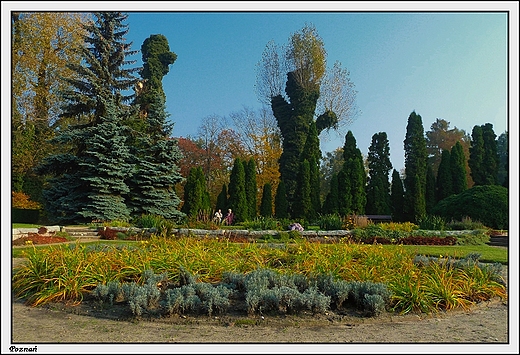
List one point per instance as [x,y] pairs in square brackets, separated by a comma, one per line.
[488,253]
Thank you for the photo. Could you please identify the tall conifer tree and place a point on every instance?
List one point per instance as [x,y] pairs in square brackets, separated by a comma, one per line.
[353,180]
[222,199]
[196,198]
[444,181]
[266,206]
[86,177]
[458,169]
[379,165]
[491,159]
[281,206]
[415,169]
[330,206]
[237,191]
[156,155]
[251,188]
[397,197]
[431,198]
[483,155]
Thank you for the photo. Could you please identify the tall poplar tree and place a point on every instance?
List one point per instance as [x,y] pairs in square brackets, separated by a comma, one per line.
[379,165]
[415,169]
[83,181]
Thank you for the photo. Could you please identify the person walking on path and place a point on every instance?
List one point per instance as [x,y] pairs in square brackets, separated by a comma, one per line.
[229,217]
[218,217]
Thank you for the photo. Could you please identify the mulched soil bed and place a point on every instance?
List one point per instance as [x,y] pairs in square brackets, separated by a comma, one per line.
[36,238]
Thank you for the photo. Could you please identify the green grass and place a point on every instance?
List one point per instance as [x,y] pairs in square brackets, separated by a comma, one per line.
[19,252]
[25,225]
[488,253]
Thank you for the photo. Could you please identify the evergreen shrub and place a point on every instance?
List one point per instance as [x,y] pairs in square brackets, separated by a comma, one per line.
[487,204]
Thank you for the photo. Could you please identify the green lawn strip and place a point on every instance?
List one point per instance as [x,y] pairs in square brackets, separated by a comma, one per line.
[25,225]
[488,253]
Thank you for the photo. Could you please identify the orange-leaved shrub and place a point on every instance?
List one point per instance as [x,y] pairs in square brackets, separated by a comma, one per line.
[23,201]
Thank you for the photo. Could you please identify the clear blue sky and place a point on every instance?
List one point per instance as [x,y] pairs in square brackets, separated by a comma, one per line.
[449,65]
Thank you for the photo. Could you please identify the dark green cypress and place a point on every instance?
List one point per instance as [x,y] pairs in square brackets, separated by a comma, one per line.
[458,169]
[476,156]
[379,166]
[251,188]
[503,155]
[397,197]
[415,169]
[354,178]
[444,182]
[431,198]
[266,205]
[196,198]
[222,199]
[491,159]
[344,194]
[330,206]
[237,191]
[281,205]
